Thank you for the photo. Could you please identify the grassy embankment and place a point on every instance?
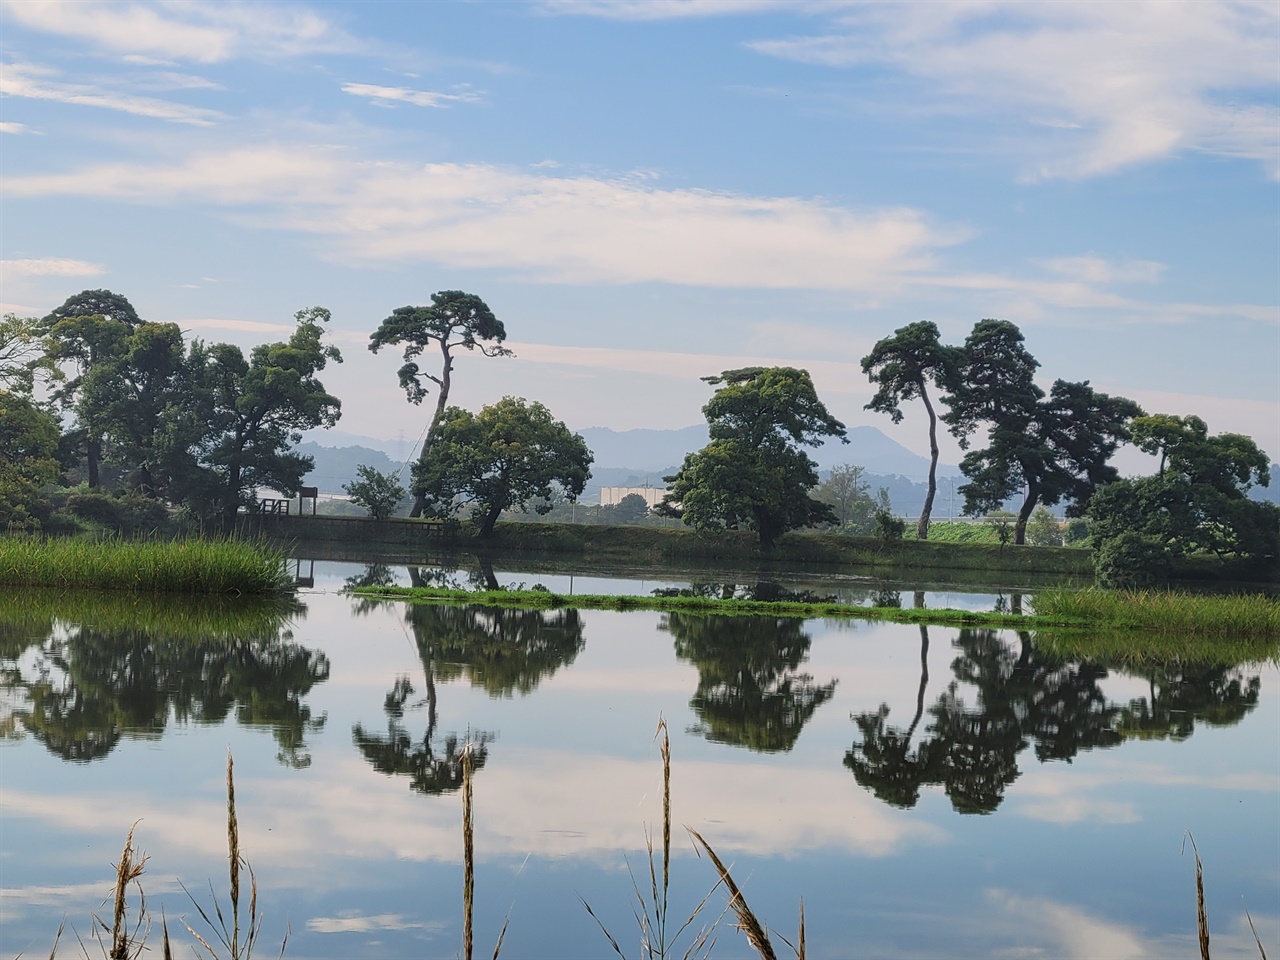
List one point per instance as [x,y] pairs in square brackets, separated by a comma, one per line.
[1235,616]
[225,567]
[661,546]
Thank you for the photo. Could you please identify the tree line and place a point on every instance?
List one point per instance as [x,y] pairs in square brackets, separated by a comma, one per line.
[202,426]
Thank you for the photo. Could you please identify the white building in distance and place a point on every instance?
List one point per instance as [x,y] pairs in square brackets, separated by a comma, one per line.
[611,496]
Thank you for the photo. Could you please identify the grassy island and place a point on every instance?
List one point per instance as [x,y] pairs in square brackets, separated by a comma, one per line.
[1252,616]
[198,566]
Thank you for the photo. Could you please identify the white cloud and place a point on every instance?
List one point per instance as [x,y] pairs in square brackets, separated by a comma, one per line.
[419,98]
[207,32]
[550,229]
[367,924]
[1091,269]
[8,126]
[50,267]
[661,9]
[19,80]
[1120,83]
[1067,932]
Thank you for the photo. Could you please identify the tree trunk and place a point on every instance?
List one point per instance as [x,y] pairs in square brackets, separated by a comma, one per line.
[924,679]
[922,528]
[442,400]
[1028,505]
[490,518]
[94,454]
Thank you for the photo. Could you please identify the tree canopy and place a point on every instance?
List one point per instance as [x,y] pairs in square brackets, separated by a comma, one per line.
[1053,449]
[511,454]
[753,473]
[1197,503]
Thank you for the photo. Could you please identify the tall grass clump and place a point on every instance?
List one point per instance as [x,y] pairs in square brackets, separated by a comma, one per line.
[1207,615]
[227,567]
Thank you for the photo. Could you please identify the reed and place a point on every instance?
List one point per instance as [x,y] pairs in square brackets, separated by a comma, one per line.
[202,566]
[1202,614]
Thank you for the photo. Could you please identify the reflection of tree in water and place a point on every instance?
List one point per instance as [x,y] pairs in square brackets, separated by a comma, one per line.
[82,688]
[1180,694]
[750,692]
[498,650]
[1025,696]
[766,591]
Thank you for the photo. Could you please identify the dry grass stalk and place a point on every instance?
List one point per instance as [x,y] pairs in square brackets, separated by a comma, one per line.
[748,923]
[468,853]
[1202,918]
[1256,938]
[125,945]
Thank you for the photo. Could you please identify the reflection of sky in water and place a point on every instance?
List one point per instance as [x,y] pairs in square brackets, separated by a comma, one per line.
[1081,859]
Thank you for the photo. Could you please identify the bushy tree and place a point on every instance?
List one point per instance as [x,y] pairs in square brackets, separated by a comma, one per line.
[29,438]
[1053,448]
[244,414]
[511,454]
[903,366]
[1044,530]
[1197,503]
[379,493]
[454,319]
[753,473]
[630,509]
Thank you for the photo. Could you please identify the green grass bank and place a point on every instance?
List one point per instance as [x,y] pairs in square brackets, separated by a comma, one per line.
[200,566]
[656,546]
[1241,616]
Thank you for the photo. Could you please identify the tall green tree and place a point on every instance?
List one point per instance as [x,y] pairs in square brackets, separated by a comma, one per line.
[24,354]
[128,396]
[1198,503]
[903,366]
[454,319]
[83,332]
[753,473]
[1053,449]
[511,454]
[244,415]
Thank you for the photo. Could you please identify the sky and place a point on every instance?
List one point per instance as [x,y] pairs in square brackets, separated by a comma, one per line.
[647,193]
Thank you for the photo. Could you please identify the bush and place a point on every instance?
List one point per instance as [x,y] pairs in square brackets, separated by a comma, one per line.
[127,515]
[1130,559]
[889,528]
[379,493]
[1043,529]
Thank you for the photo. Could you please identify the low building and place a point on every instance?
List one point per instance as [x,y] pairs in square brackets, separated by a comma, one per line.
[611,496]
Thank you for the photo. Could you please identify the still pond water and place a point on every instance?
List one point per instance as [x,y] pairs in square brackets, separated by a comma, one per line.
[927,792]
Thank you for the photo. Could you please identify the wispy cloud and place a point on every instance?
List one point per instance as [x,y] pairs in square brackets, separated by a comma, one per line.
[1120,83]
[20,80]
[419,98]
[1066,931]
[206,32]
[661,9]
[8,126]
[551,229]
[50,267]
[367,924]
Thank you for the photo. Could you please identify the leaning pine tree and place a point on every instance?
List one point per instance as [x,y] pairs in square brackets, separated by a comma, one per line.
[454,319]
[902,366]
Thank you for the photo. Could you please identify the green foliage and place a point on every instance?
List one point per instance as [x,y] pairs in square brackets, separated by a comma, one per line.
[1196,504]
[850,499]
[1169,611]
[1055,448]
[1044,530]
[127,515]
[753,474]
[189,566]
[23,354]
[243,416]
[630,509]
[889,528]
[902,366]
[29,439]
[1076,533]
[379,493]
[511,454]
[454,319]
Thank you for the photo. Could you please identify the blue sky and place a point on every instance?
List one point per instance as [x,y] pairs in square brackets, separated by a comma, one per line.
[650,192]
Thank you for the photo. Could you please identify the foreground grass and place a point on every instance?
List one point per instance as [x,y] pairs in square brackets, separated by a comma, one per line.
[226,567]
[1181,614]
